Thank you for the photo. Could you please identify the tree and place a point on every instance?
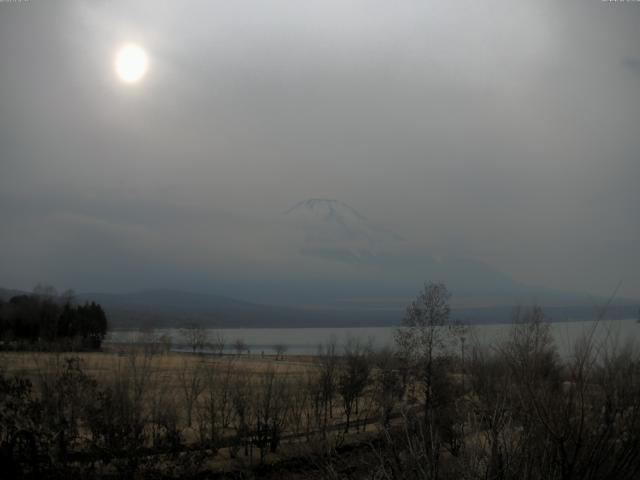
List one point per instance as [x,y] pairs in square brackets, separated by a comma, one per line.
[388,385]
[270,406]
[280,350]
[354,377]
[94,326]
[49,320]
[152,342]
[44,291]
[195,336]
[328,363]
[426,332]
[218,342]
[191,383]
[423,340]
[239,346]
[216,411]
[68,297]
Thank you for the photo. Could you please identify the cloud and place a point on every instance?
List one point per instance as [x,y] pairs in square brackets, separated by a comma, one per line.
[499,131]
[632,64]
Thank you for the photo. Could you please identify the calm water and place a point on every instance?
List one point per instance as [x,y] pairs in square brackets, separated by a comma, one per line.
[306,340]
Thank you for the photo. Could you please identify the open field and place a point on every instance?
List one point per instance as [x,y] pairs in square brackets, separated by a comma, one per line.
[114,359]
[417,412]
[235,410]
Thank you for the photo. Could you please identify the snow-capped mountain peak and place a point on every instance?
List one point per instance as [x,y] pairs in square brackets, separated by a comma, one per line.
[328,209]
[333,229]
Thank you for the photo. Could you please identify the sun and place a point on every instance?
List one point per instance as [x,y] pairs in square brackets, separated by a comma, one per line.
[131,63]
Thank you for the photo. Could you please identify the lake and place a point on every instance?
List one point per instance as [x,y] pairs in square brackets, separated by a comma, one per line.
[305,341]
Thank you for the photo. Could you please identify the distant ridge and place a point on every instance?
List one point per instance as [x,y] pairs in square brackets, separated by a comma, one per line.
[175,308]
[164,297]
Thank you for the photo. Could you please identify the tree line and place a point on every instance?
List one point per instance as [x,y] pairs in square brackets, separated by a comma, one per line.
[431,409]
[45,319]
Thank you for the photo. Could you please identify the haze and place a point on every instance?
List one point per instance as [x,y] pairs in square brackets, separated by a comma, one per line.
[502,132]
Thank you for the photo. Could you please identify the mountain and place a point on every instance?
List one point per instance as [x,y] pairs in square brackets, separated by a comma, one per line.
[166,299]
[336,267]
[174,308]
[382,261]
[354,262]
[165,307]
[336,231]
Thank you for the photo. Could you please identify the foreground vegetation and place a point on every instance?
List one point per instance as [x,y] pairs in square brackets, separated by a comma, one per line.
[439,406]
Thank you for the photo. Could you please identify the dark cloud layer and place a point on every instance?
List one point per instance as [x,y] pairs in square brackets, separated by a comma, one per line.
[501,131]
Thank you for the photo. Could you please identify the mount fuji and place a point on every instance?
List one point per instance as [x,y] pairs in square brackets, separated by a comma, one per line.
[336,231]
[338,268]
[388,264]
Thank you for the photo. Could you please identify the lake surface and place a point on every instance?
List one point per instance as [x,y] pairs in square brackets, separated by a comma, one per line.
[305,341]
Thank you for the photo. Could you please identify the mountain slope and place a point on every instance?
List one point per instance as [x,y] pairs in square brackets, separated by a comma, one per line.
[336,231]
[338,234]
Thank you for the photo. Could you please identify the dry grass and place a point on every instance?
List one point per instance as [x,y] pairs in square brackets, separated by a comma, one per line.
[165,376]
[101,365]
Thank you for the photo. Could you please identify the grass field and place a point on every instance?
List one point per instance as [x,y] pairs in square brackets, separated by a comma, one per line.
[104,364]
[206,399]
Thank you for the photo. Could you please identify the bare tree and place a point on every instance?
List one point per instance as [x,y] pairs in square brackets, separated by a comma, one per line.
[218,342]
[423,340]
[68,297]
[195,336]
[587,426]
[425,334]
[280,350]
[191,382]
[300,407]
[270,407]
[239,346]
[354,377]
[148,339]
[387,384]
[164,421]
[315,391]
[165,342]
[530,349]
[242,415]
[328,363]
[119,417]
[216,409]
[44,291]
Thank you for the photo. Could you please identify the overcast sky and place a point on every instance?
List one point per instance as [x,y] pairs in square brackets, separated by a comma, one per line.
[508,132]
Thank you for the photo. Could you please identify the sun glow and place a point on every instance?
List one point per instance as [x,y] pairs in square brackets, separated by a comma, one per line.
[131,63]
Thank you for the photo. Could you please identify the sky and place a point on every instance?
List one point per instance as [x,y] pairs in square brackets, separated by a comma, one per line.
[504,132]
